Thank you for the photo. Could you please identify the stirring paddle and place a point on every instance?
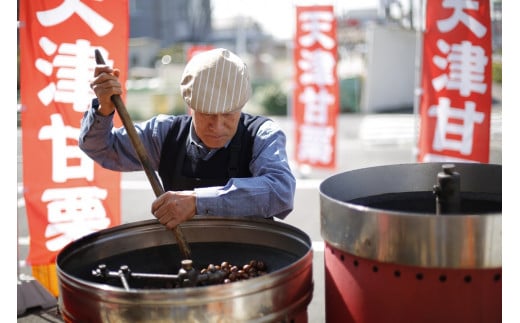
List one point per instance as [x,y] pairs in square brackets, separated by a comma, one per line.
[143,157]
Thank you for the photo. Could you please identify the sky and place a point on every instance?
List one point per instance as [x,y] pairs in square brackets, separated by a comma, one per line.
[277,17]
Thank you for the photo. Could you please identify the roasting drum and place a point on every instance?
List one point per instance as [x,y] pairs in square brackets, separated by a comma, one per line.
[281,295]
[390,257]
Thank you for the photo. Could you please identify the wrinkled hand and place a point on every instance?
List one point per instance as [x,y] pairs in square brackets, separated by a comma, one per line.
[105,84]
[173,208]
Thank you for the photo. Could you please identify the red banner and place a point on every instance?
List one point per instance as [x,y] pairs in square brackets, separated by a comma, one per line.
[66,194]
[316,96]
[455,106]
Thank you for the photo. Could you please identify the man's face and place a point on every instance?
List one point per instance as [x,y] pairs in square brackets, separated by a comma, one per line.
[215,130]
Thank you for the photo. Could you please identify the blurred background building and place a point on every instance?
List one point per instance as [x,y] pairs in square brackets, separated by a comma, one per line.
[375,45]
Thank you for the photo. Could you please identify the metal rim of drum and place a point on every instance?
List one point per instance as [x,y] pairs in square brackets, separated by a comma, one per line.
[425,240]
[259,292]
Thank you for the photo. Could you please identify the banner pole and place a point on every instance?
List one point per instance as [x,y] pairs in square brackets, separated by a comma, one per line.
[418,91]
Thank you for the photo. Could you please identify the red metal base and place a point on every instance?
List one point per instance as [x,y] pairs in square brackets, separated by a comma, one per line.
[362,290]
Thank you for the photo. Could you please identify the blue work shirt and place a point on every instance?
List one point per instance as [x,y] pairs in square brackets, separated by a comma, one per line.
[268,193]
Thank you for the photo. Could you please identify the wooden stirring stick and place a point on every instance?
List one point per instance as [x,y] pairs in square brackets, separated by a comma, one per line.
[143,157]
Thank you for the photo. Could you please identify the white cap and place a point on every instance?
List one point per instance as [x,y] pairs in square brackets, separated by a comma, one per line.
[215,81]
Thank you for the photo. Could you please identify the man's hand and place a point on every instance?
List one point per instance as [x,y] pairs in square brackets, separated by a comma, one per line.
[105,84]
[173,208]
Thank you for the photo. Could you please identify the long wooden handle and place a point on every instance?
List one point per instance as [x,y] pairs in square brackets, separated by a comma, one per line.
[143,157]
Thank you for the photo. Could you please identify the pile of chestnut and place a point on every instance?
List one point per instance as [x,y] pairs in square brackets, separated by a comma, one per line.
[234,273]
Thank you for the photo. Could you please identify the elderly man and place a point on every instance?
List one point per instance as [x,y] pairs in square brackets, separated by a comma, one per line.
[217,161]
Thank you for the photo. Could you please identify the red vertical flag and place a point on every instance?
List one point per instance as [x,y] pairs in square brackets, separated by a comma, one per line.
[316,97]
[67,195]
[455,108]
